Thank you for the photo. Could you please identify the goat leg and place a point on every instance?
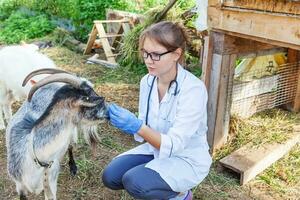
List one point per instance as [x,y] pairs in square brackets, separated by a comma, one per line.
[23,196]
[72,164]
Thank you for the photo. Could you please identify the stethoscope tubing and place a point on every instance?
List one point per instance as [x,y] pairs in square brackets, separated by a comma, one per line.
[150,92]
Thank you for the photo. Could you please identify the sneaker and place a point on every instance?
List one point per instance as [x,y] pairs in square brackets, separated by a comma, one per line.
[189,195]
[185,196]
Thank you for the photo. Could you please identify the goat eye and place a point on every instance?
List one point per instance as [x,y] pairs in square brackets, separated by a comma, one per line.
[87,98]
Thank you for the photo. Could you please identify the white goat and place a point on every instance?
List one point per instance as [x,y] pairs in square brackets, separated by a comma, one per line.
[15,63]
[40,132]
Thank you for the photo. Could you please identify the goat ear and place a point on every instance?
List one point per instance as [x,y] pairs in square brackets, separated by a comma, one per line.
[86,104]
[82,103]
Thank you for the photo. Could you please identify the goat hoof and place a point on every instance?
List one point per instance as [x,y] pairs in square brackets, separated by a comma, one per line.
[23,197]
[73,170]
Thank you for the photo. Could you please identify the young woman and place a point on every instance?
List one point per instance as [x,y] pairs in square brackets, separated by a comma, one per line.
[172,120]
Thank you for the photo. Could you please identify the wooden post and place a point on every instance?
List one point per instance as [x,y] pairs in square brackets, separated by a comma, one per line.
[91,40]
[220,87]
[104,41]
[294,57]
[206,60]
[219,57]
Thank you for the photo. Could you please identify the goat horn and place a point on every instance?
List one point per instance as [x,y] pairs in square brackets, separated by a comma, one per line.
[42,71]
[61,77]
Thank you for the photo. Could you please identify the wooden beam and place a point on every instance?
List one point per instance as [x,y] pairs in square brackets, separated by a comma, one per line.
[214,2]
[271,6]
[104,41]
[229,44]
[249,161]
[224,101]
[111,21]
[263,52]
[294,57]
[207,59]
[213,99]
[219,90]
[267,28]
[296,106]
[91,41]
[229,89]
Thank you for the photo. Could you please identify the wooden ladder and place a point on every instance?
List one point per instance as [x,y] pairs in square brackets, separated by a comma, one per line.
[98,30]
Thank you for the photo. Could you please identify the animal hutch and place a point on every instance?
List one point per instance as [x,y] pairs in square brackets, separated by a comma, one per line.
[240,29]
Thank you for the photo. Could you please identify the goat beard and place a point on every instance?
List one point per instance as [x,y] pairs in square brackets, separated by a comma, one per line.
[90,136]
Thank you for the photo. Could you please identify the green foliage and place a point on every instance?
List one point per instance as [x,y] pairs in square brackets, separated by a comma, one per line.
[130,55]
[86,12]
[21,26]
[6,8]
[81,12]
[130,58]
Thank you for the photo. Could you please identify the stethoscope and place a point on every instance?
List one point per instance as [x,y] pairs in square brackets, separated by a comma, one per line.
[176,91]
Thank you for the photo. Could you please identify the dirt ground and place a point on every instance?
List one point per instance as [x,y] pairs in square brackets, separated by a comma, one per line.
[87,185]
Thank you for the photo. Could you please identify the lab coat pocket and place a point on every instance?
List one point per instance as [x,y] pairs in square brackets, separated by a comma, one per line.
[167,120]
[166,125]
[202,166]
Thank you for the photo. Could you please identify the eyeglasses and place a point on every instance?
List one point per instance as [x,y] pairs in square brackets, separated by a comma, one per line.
[154,56]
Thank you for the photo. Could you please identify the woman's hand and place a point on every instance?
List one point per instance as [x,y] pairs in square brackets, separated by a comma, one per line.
[124,119]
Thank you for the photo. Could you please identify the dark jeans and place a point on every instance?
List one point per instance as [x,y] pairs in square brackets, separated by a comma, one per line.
[129,172]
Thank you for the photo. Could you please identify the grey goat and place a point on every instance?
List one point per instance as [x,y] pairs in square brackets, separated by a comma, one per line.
[40,132]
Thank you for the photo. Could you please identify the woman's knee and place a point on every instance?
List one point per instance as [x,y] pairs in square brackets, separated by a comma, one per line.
[111,180]
[133,185]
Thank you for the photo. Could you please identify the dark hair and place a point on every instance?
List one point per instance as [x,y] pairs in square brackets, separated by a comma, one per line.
[170,35]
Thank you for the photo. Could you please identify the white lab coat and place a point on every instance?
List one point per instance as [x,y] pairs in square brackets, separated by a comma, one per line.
[183,160]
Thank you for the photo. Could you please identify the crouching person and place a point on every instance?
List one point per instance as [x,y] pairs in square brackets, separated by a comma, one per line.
[172,120]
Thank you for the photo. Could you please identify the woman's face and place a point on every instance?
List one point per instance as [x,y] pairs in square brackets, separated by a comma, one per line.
[159,65]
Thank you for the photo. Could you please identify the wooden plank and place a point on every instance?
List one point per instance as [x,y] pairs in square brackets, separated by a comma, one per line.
[266,27]
[296,106]
[273,6]
[212,98]
[215,2]
[105,43]
[207,59]
[249,161]
[221,76]
[115,41]
[111,35]
[229,44]
[293,56]
[118,14]
[231,71]
[111,21]
[91,41]
[263,52]
[126,27]
[220,136]
[94,59]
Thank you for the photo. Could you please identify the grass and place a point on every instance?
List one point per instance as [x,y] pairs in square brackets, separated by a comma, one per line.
[280,181]
[284,175]
[270,126]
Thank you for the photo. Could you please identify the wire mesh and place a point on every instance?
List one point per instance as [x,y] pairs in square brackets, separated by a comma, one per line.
[263,89]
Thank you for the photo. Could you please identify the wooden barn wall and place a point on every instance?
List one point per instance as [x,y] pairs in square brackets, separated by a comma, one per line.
[275,6]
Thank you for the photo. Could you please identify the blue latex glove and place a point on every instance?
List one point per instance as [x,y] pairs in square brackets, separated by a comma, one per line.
[124,119]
